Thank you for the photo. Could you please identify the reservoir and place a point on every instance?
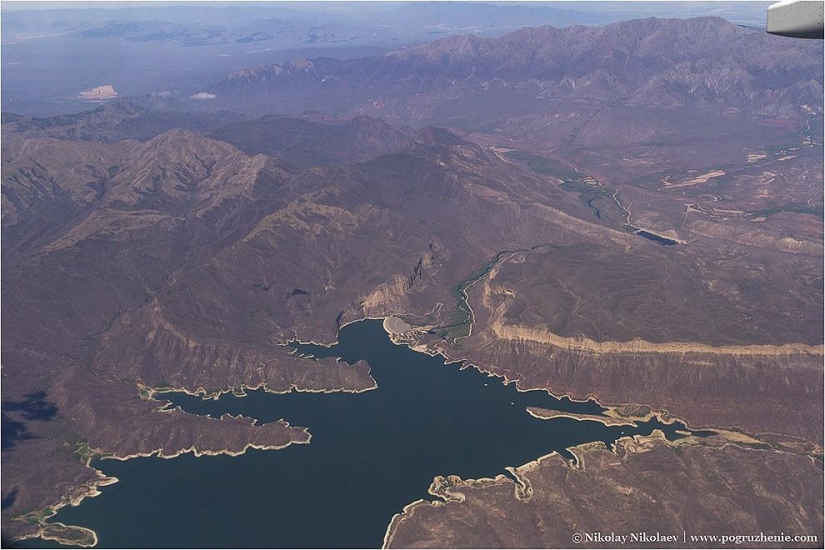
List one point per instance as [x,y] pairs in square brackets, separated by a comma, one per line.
[664,241]
[370,455]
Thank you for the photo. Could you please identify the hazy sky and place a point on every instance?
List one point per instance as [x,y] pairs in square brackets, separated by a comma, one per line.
[733,10]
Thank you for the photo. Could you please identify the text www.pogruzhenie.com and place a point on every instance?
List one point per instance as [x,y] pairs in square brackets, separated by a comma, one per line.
[641,537]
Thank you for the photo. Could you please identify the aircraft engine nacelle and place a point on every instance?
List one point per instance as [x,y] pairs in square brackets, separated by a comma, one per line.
[796,18]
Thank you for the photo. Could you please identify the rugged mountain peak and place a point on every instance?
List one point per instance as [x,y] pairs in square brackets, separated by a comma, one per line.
[256,73]
[272,71]
[461,46]
[639,33]
[300,64]
[183,146]
[122,106]
[182,165]
[628,63]
[176,136]
[675,38]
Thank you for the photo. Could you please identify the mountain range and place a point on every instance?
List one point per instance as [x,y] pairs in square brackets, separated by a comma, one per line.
[640,87]
[637,207]
[701,64]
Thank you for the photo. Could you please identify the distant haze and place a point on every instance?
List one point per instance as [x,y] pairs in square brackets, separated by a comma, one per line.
[54,50]
[745,13]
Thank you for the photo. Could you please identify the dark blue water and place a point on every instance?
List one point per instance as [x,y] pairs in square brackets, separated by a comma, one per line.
[370,455]
[664,241]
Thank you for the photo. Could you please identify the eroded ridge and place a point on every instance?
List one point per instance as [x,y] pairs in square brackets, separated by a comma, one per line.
[581,343]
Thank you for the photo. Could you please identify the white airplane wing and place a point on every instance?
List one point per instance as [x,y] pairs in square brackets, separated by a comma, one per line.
[796,18]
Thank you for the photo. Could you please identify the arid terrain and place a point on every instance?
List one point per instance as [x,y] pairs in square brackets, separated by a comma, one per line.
[551,505]
[488,192]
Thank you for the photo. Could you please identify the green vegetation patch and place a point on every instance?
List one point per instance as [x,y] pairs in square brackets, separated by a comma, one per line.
[544,165]
[85,452]
[589,190]
[39,516]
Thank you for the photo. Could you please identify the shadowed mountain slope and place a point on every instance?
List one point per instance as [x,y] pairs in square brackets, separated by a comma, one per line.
[114,122]
[314,140]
